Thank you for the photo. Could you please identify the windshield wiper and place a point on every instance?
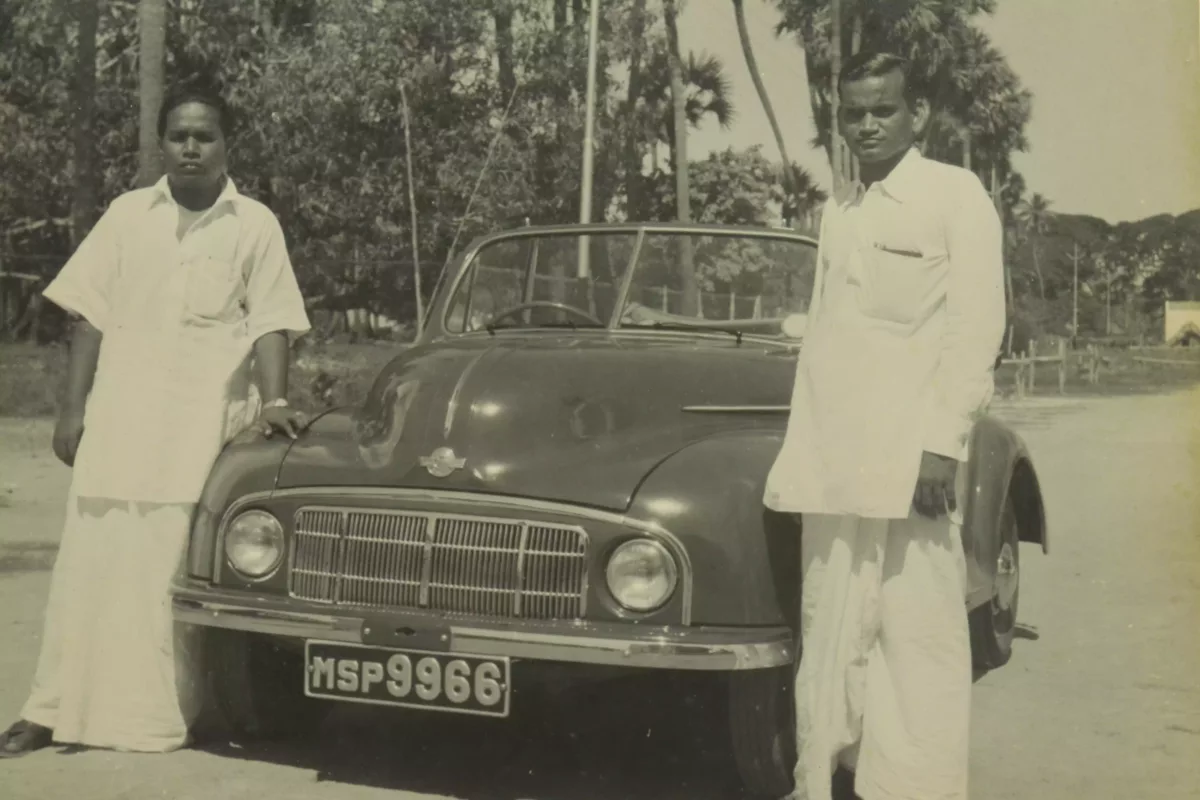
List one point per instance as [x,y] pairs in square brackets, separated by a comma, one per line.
[566,324]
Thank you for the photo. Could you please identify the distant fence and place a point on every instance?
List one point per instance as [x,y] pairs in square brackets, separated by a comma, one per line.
[504,288]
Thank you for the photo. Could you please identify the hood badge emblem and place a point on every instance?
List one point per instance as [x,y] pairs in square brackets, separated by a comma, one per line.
[442,462]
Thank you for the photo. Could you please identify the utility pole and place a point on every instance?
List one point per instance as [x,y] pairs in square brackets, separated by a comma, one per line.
[1075,292]
[589,125]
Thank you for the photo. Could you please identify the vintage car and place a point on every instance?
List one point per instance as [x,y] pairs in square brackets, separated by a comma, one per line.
[561,479]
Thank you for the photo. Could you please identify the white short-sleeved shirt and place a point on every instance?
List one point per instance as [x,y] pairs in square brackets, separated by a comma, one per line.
[905,324]
[179,316]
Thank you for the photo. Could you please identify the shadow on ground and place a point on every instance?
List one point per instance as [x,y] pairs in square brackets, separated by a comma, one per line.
[655,738]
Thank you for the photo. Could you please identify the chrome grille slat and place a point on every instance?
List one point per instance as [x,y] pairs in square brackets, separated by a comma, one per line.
[442,562]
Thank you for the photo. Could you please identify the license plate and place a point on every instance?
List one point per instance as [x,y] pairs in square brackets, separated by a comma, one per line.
[409,678]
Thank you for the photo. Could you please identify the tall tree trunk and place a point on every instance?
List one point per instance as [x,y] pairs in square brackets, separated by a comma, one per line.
[856,29]
[502,16]
[691,294]
[1004,249]
[152,33]
[838,164]
[791,185]
[635,208]
[84,194]
[856,35]
[1037,265]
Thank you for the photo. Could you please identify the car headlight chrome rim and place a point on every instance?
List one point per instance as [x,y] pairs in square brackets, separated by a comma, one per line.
[254,544]
[642,575]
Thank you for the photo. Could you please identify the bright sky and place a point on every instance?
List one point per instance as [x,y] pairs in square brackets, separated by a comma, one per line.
[1116,117]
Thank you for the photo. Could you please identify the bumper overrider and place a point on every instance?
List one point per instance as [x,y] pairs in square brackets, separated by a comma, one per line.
[605,644]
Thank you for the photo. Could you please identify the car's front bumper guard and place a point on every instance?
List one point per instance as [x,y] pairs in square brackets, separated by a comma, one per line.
[609,644]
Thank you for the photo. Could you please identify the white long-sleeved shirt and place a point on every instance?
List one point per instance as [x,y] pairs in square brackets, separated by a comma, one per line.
[180,299]
[906,320]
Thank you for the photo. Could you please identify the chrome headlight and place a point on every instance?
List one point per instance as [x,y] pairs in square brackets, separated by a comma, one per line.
[254,543]
[641,574]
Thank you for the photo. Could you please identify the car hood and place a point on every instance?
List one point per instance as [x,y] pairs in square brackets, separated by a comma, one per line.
[570,418]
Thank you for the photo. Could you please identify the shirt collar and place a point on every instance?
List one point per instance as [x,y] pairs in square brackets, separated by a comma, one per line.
[162,193]
[900,184]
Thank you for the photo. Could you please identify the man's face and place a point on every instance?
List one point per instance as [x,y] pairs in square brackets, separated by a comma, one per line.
[877,121]
[193,146]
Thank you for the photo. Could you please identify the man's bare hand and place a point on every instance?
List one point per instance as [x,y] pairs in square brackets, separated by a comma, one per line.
[68,432]
[288,421]
[935,486]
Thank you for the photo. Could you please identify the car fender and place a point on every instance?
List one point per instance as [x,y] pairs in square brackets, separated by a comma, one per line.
[1000,465]
[744,557]
[241,469]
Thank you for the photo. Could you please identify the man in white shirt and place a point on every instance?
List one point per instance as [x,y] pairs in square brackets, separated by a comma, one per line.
[906,319]
[175,290]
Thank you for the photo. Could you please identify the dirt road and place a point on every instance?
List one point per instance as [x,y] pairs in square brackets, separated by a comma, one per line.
[1101,699]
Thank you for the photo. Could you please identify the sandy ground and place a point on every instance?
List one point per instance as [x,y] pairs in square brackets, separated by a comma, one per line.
[1101,699]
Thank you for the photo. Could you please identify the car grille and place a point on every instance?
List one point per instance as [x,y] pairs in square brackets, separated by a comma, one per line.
[440,562]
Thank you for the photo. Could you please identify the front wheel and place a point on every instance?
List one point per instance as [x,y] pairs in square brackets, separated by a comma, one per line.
[255,686]
[762,727]
[994,623]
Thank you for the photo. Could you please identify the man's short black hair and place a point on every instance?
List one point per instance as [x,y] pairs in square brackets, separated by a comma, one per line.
[876,64]
[195,94]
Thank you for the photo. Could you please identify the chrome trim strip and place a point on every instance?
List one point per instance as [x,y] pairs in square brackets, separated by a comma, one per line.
[452,404]
[714,409]
[522,547]
[719,649]
[652,529]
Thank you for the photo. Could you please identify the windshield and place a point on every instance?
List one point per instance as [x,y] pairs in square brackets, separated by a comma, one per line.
[677,281]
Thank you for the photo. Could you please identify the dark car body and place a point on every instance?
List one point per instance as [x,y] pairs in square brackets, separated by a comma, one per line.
[470,505]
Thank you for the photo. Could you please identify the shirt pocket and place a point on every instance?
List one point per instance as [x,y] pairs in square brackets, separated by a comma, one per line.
[215,291]
[899,283]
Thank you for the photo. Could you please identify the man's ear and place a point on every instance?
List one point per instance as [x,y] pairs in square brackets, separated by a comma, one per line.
[922,111]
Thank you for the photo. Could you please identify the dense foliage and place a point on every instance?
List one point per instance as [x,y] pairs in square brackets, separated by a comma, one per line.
[494,94]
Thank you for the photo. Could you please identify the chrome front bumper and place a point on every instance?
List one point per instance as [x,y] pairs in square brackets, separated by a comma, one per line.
[607,644]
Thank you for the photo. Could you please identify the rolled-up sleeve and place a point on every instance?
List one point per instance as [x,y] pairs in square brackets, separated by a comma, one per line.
[273,299]
[84,286]
[975,319]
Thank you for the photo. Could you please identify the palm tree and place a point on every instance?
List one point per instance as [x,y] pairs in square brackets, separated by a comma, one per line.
[1034,215]
[152,31]
[791,183]
[691,293]
[634,193]
[928,31]
[705,91]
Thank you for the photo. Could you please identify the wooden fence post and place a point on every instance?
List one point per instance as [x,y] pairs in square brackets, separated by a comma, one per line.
[1031,354]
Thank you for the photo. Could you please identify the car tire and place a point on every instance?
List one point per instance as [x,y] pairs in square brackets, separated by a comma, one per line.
[762,727]
[255,687]
[994,623]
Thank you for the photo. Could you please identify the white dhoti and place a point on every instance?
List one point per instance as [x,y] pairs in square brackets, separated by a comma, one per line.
[884,681]
[113,669]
